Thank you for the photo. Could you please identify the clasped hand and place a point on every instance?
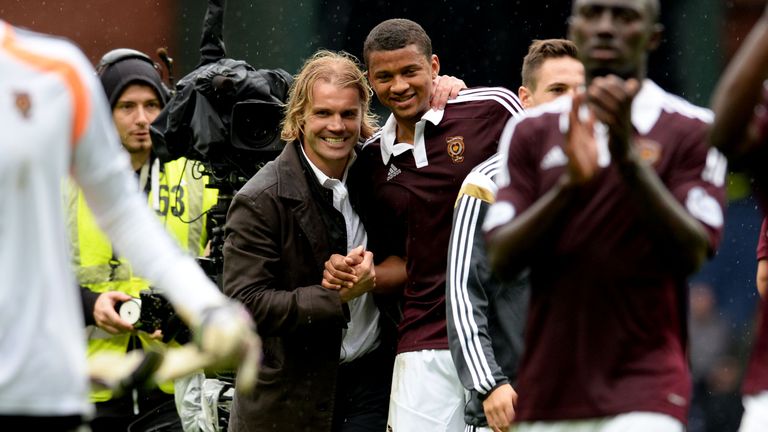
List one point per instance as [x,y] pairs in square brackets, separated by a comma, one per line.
[352,275]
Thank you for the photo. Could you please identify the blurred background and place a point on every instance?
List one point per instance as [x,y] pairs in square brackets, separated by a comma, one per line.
[483,42]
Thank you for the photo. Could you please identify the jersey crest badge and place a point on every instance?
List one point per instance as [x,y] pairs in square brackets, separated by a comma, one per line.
[456,148]
[648,150]
[23,103]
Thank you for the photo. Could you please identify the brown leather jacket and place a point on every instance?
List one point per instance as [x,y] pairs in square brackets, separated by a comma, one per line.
[281,228]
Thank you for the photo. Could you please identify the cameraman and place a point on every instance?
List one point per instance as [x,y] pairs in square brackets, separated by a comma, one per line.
[176,192]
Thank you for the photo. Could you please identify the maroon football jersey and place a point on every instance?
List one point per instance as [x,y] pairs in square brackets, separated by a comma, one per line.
[756,377]
[411,208]
[606,331]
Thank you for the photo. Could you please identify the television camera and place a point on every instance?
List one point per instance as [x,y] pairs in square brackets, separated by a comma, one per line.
[225,114]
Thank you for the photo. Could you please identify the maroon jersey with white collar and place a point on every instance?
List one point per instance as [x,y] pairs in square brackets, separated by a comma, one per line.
[411,205]
[606,331]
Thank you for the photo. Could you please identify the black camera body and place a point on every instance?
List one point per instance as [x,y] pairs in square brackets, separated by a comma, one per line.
[151,312]
[156,311]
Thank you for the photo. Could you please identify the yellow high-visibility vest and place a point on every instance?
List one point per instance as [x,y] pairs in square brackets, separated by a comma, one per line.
[182,199]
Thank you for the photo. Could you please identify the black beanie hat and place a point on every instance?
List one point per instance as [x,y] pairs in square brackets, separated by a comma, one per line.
[115,78]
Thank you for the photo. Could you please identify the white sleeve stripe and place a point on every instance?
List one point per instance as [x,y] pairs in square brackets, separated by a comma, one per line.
[376,135]
[509,93]
[499,91]
[489,166]
[512,105]
[459,259]
[514,111]
[504,142]
[479,89]
[484,174]
[513,101]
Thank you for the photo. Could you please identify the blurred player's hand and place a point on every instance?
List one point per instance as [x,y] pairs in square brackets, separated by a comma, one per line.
[227,334]
[610,98]
[580,144]
[224,338]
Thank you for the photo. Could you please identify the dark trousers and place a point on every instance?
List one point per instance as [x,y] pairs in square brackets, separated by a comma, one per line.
[157,412]
[48,424]
[362,393]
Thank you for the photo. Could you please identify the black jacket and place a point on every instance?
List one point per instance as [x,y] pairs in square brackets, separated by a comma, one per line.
[485,315]
[281,228]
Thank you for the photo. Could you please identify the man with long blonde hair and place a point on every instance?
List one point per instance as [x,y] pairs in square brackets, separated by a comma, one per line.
[329,347]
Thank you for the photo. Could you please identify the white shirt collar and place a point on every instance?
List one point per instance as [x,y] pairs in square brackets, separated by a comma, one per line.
[324,179]
[646,110]
[647,106]
[389,134]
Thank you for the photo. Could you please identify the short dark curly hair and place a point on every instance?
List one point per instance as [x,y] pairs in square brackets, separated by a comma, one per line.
[394,34]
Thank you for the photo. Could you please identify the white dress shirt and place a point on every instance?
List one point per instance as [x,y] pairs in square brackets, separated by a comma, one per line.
[362,333]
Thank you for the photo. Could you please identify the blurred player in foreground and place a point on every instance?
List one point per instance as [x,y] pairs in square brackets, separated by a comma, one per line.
[57,122]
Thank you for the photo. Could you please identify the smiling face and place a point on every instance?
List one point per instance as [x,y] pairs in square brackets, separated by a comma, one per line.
[554,78]
[402,79]
[614,36]
[332,126]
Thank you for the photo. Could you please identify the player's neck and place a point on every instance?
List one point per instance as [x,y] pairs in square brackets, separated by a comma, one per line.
[406,131]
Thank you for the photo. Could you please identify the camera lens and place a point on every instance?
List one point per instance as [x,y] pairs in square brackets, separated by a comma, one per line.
[130,310]
[254,125]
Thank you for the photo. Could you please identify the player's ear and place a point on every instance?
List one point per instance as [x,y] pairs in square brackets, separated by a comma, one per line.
[526,96]
[434,64]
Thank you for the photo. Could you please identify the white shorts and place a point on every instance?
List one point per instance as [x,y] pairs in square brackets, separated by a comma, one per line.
[755,418]
[629,422]
[427,395]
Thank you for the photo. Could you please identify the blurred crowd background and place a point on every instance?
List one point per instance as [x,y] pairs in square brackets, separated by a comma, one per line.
[483,42]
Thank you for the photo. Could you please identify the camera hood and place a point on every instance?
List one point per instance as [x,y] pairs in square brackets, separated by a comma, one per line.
[224,112]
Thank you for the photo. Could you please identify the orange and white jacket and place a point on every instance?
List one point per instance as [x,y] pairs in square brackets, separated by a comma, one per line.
[55,122]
